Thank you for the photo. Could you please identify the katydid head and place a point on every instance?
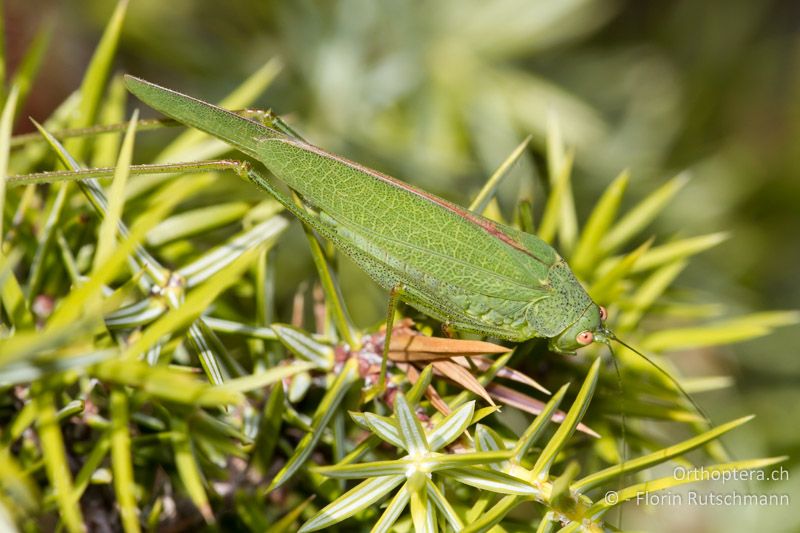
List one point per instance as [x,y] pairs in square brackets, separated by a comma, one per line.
[589,328]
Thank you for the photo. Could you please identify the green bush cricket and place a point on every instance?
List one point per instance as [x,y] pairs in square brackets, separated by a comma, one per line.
[473,274]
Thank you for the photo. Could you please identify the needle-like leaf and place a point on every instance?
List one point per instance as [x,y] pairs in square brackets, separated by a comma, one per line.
[493,480]
[451,427]
[567,427]
[121,461]
[361,497]
[416,443]
[640,463]
[327,407]
[640,216]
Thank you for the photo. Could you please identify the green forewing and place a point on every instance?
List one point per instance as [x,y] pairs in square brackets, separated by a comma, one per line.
[428,233]
[242,133]
[453,264]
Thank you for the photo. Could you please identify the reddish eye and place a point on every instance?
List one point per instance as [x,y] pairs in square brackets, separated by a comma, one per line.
[585,337]
[603,313]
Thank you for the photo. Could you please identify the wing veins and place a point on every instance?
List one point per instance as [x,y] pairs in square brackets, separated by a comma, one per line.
[367,232]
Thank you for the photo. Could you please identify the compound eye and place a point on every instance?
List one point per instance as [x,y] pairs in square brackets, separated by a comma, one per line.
[585,337]
[603,313]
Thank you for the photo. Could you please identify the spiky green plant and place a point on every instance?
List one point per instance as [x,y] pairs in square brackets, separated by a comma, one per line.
[142,361]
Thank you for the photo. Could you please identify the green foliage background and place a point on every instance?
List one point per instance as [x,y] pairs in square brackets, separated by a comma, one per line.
[439,93]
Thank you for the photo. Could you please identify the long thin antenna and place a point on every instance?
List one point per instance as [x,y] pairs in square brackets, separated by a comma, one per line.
[610,335]
[624,422]
[663,372]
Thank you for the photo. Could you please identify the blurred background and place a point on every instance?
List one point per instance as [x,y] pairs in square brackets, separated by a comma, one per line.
[439,93]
